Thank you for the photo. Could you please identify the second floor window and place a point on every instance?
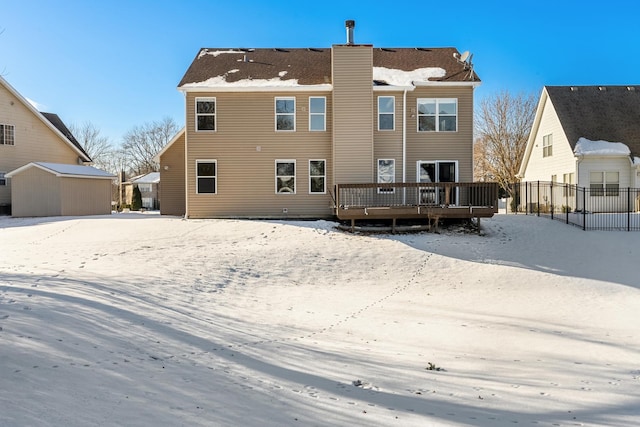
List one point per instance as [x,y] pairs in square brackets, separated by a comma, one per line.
[7,133]
[437,115]
[386,112]
[317,113]
[205,114]
[547,145]
[286,114]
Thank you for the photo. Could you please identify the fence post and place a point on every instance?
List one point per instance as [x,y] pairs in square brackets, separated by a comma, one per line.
[538,201]
[628,209]
[566,201]
[526,197]
[552,200]
[584,208]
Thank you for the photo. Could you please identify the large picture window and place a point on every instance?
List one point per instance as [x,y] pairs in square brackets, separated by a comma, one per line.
[386,112]
[286,176]
[205,114]
[437,115]
[386,174]
[317,177]
[7,134]
[206,176]
[317,113]
[604,183]
[286,114]
[547,145]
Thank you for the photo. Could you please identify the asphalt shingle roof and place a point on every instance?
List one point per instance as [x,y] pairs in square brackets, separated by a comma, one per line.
[312,66]
[599,113]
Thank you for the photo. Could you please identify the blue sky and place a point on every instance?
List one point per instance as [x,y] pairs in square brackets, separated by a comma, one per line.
[117,63]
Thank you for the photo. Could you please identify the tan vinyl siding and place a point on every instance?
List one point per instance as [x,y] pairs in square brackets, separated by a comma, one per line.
[36,192]
[353,114]
[85,196]
[433,146]
[245,147]
[172,185]
[34,141]
[388,143]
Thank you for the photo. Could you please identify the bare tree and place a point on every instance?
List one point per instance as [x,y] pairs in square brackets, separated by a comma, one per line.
[142,143]
[96,145]
[503,123]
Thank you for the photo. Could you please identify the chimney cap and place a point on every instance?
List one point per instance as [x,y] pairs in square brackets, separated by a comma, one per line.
[350,23]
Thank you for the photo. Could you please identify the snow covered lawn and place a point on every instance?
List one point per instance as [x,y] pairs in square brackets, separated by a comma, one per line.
[142,320]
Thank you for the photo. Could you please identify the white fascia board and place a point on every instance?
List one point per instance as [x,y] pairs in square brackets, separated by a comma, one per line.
[57,174]
[209,89]
[432,84]
[177,136]
[393,88]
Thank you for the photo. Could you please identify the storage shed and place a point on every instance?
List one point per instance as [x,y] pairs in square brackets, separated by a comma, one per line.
[54,189]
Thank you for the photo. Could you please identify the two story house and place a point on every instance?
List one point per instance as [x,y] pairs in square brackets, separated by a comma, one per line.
[271,133]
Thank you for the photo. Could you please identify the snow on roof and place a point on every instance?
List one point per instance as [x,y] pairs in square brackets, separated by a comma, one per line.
[221,82]
[150,178]
[406,78]
[586,147]
[60,169]
[215,53]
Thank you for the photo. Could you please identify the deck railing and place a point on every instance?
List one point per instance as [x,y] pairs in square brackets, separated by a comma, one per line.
[433,194]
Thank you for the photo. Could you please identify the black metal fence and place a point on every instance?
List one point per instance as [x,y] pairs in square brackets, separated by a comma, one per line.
[610,208]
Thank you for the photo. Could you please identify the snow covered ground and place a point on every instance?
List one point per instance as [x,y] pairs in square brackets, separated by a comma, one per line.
[142,320]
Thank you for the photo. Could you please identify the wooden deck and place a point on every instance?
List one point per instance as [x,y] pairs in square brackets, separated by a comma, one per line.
[428,201]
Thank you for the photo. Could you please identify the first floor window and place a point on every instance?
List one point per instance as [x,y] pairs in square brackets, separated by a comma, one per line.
[205,114]
[7,133]
[206,173]
[386,174]
[286,114]
[604,183]
[568,180]
[386,112]
[547,145]
[437,115]
[286,176]
[317,177]
[3,180]
[317,113]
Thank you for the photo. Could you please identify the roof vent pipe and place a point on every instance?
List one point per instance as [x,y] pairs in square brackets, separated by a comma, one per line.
[350,24]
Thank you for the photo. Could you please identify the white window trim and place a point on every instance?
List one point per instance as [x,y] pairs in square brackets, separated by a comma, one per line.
[324,115]
[3,179]
[547,145]
[437,115]
[275,112]
[317,176]
[604,188]
[393,177]
[437,177]
[393,114]
[215,177]
[5,131]
[295,171]
[215,115]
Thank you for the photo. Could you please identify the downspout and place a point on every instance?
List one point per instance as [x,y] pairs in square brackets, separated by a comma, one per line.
[404,144]
[186,160]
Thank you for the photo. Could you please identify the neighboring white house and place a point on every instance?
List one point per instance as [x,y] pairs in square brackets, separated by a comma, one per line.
[588,136]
